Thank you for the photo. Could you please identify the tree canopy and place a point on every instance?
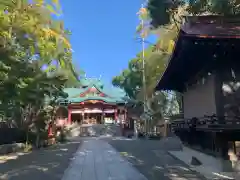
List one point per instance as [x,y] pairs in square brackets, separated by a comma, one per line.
[30,39]
[164,12]
[131,78]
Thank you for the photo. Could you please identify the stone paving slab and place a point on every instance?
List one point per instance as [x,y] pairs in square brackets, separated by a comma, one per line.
[97,160]
[152,159]
[210,168]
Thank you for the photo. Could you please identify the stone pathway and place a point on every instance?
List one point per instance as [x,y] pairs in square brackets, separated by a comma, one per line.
[97,160]
[151,158]
[47,164]
[210,168]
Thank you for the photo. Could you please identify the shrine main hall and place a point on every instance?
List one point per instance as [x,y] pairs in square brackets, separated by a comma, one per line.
[92,103]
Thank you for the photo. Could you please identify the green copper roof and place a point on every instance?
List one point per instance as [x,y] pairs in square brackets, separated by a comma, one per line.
[114,95]
[91,81]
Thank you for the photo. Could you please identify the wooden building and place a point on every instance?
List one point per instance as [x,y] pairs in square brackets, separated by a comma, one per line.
[205,68]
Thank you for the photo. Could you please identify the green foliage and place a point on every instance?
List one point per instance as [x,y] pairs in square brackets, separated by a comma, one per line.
[158,104]
[32,27]
[156,58]
[163,12]
[72,80]
[30,38]
[131,78]
[222,7]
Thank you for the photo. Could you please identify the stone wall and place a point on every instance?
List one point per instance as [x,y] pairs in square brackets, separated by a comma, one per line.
[199,100]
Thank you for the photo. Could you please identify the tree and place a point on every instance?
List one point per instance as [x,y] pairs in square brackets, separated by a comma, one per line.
[158,104]
[24,88]
[220,7]
[72,80]
[164,12]
[131,78]
[31,26]
[30,38]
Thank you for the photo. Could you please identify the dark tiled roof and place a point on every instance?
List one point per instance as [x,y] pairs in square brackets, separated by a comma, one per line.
[207,28]
[215,26]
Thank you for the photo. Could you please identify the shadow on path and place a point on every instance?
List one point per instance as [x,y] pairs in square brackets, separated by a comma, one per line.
[153,161]
[47,164]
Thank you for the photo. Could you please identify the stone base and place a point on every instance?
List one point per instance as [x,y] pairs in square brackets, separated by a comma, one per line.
[11,148]
[236,165]
[227,166]
[51,141]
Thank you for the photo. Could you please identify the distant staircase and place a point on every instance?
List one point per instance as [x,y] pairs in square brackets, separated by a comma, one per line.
[94,130]
[73,130]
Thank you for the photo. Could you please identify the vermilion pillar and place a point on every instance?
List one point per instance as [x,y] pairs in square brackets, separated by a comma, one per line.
[50,130]
[69,116]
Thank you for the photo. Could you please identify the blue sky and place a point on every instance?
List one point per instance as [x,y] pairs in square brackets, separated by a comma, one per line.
[102,34]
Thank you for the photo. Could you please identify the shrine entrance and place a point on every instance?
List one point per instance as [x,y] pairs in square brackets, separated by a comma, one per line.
[87,118]
[93,118]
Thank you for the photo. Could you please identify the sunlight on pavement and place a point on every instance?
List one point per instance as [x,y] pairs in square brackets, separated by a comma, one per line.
[12,156]
[222,176]
[124,153]
[111,152]
[63,149]
[123,138]
[26,169]
[127,155]
[158,168]
[176,177]
[179,167]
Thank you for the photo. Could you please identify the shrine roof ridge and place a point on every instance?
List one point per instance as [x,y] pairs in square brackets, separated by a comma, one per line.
[105,99]
[113,94]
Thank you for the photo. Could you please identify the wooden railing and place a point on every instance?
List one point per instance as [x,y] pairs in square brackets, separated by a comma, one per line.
[207,122]
[207,133]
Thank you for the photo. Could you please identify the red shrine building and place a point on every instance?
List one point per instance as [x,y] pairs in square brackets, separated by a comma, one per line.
[92,103]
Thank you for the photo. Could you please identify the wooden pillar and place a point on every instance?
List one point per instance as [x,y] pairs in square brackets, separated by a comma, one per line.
[219,97]
[69,116]
[223,144]
[82,117]
[102,117]
[125,116]
[115,115]
[165,129]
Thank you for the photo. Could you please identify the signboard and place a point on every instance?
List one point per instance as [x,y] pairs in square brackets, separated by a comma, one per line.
[92,101]
[109,111]
[77,111]
[93,111]
[108,121]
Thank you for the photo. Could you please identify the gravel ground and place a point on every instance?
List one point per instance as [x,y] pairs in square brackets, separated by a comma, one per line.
[151,158]
[47,164]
